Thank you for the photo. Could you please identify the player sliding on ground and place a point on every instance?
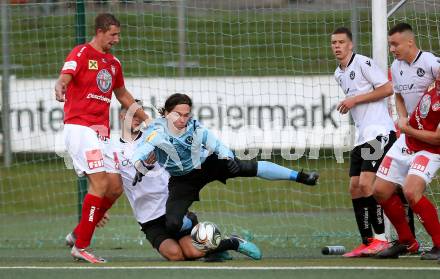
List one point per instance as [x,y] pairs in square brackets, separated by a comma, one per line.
[148,199]
[194,157]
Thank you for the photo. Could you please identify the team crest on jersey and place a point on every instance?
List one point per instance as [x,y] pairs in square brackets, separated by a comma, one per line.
[189,140]
[420,72]
[425,103]
[352,75]
[104,80]
[368,63]
[401,72]
[436,106]
[93,65]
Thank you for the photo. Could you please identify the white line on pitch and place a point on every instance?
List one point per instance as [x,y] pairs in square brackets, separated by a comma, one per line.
[220,268]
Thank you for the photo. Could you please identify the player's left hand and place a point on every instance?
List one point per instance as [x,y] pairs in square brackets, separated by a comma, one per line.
[346,105]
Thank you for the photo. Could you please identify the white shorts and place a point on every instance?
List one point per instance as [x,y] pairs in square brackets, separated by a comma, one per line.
[400,161]
[89,153]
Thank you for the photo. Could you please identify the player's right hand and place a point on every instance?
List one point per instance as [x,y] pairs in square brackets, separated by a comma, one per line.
[60,91]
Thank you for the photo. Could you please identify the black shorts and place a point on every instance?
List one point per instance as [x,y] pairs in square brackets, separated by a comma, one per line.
[371,163]
[187,187]
[156,233]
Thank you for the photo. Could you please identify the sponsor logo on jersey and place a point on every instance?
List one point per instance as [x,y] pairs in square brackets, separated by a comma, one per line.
[189,140]
[104,80]
[99,97]
[69,65]
[151,136]
[406,151]
[420,163]
[94,159]
[93,65]
[436,106]
[368,63]
[425,103]
[385,166]
[420,72]
[352,75]
[403,87]
[113,68]
[401,72]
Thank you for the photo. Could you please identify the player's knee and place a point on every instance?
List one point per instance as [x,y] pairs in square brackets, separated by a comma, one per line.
[366,189]
[114,192]
[382,191]
[247,168]
[173,224]
[411,195]
[173,253]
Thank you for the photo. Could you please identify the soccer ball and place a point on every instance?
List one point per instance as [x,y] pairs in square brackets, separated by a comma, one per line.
[206,236]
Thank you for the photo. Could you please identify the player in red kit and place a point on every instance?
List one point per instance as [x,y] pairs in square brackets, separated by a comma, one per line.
[87,81]
[412,162]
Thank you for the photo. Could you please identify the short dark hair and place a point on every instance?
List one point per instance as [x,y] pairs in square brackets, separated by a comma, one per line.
[173,101]
[399,28]
[104,21]
[343,30]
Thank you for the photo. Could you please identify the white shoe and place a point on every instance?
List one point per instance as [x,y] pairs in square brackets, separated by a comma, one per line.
[85,255]
[70,240]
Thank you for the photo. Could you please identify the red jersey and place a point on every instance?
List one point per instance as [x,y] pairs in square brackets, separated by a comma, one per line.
[426,116]
[89,94]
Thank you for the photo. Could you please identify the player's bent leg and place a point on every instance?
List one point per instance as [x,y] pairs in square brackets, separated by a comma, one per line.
[175,211]
[170,250]
[188,249]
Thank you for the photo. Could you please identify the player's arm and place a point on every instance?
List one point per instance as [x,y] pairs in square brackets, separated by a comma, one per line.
[400,106]
[432,137]
[126,100]
[61,87]
[212,143]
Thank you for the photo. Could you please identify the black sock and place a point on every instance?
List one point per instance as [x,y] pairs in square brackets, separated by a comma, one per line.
[225,245]
[375,212]
[362,219]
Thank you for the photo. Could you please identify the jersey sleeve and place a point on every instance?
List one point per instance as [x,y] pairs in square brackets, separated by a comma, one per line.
[150,139]
[73,62]
[119,78]
[212,143]
[373,73]
[434,65]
